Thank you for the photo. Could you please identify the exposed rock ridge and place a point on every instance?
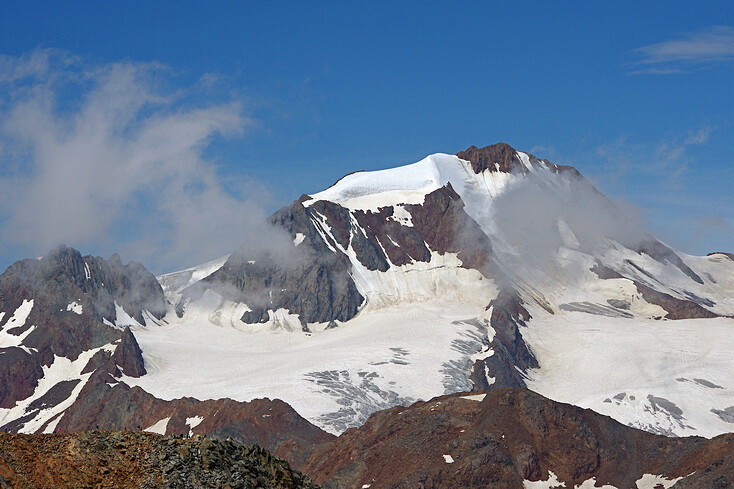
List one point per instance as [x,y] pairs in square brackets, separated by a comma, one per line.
[64,276]
[728,255]
[504,158]
[511,357]
[496,157]
[676,308]
[446,227]
[507,437]
[659,252]
[312,281]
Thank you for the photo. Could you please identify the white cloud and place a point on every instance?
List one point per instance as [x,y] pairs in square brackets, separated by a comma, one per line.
[105,158]
[710,45]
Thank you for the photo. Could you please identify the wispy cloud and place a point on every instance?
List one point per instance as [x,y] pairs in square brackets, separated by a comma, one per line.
[666,160]
[111,158]
[695,49]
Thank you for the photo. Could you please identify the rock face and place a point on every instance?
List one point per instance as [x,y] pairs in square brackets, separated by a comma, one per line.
[124,459]
[508,436]
[504,158]
[315,280]
[63,277]
[63,305]
[512,357]
[312,280]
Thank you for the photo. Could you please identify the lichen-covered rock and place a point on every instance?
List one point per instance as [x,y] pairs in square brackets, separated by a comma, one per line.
[125,459]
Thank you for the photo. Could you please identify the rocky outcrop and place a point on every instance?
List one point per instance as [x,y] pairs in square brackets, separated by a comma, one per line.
[311,279]
[64,276]
[68,305]
[447,228]
[511,356]
[677,308]
[19,374]
[402,244]
[507,437]
[128,355]
[659,252]
[124,459]
[728,255]
[504,158]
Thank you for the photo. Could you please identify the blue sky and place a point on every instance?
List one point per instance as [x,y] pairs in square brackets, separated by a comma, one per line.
[108,109]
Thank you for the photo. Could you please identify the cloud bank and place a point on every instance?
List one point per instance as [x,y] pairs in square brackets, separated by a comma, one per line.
[112,158]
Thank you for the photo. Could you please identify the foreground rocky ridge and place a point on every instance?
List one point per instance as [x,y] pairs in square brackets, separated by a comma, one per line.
[508,438]
[125,459]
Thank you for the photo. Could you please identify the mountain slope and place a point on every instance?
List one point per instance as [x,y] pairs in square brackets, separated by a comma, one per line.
[406,283]
[482,270]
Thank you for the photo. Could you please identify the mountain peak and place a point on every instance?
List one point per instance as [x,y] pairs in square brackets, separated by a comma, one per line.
[500,156]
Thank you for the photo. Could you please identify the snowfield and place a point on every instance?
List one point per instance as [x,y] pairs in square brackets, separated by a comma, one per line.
[668,377]
[414,339]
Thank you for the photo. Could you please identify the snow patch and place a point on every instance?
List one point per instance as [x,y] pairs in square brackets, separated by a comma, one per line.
[299,239]
[173,283]
[74,307]
[61,369]
[649,481]
[18,319]
[401,215]
[322,227]
[448,459]
[20,315]
[193,423]
[551,483]
[591,484]
[475,397]
[159,427]
[123,319]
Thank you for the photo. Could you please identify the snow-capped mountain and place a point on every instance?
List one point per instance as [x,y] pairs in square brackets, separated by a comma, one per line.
[486,269]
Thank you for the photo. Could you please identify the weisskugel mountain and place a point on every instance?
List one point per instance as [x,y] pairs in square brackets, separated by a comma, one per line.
[485,319]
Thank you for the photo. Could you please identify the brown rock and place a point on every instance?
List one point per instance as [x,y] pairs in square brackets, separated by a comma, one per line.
[510,436]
